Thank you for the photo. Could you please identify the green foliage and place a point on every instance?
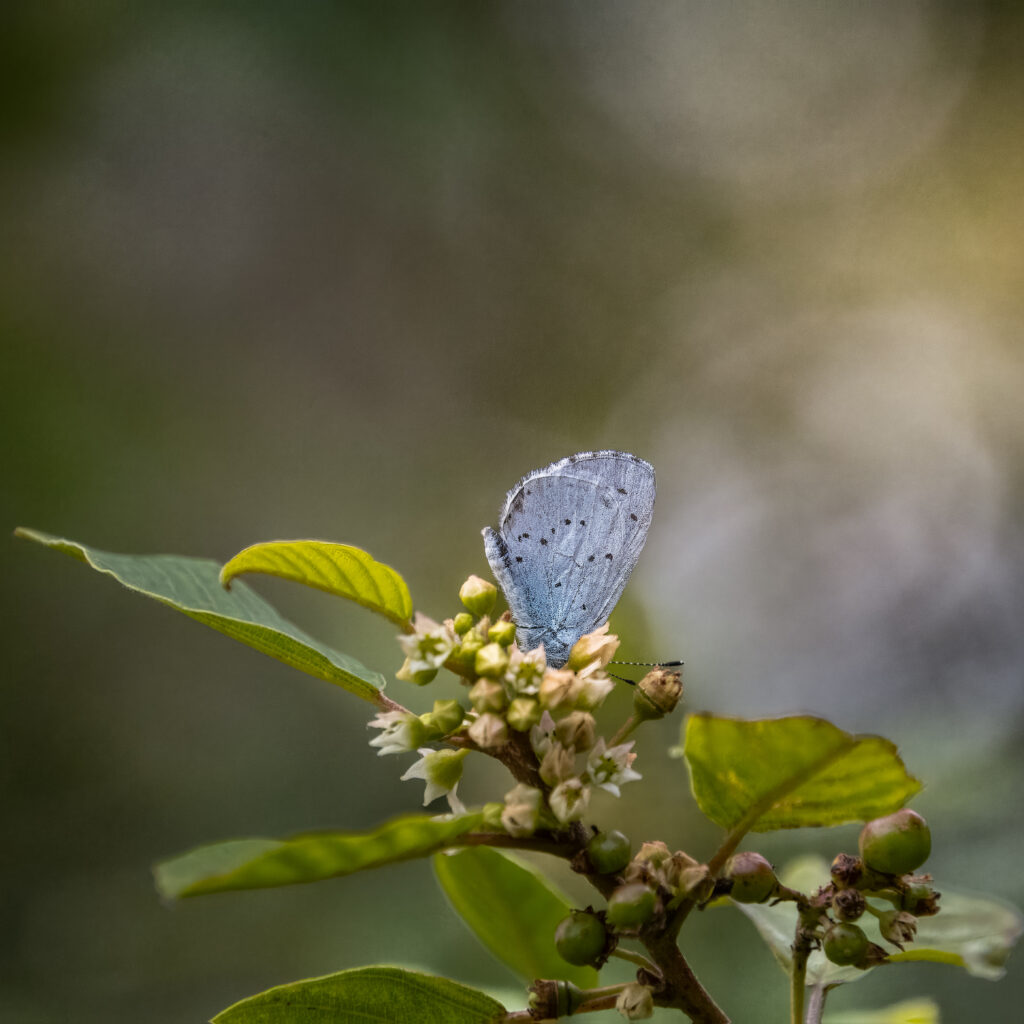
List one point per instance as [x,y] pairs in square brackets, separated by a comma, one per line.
[792,772]
[338,569]
[368,995]
[263,863]
[192,586]
[512,909]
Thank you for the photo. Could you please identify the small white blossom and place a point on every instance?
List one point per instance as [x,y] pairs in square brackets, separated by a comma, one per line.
[441,770]
[401,731]
[596,687]
[525,671]
[612,767]
[569,800]
[542,735]
[429,645]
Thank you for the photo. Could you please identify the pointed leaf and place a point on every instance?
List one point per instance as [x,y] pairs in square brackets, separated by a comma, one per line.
[512,909]
[970,931]
[192,586]
[338,569]
[367,995]
[791,773]
[263,863]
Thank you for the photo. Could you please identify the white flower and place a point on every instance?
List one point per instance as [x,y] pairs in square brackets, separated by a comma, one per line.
[559,687]
[522,810]
[429,645]
[611,768]
[441,770]
[598,648]
[569,800]
[402,731]
[525,671]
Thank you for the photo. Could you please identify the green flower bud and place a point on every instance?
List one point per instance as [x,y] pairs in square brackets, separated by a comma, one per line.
[523,714]
[753,879]
[487,695]
[845,943]
[462,623]
[502,632]
[492,813]
[419,677]
[896,844]
[464,654]
[446,717]
[657,694]
[580,938]
[609,852]
[491,660]
[478,595]
[631,906]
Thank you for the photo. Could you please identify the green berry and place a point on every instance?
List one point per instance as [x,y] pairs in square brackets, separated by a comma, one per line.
[845,943]
[631,905]
[609,852]
[752,877]
[896,844]
[580,938]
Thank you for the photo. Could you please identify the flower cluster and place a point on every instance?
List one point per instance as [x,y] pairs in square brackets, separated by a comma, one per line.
[512,697]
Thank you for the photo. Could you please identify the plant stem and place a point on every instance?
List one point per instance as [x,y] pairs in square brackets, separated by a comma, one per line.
[797,987]
[817,1004]
[635,958]
[625,729]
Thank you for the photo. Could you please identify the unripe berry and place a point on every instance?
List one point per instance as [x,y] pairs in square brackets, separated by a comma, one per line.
[845,943]
[609,852]
[752,877]
[896,844]
[630,906]
[580,938]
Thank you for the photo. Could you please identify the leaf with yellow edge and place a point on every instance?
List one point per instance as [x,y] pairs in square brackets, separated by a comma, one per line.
[796,772]
[338,569]
[191,585]
[909,1011]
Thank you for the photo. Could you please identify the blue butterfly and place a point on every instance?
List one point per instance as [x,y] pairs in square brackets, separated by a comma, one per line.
[568,537]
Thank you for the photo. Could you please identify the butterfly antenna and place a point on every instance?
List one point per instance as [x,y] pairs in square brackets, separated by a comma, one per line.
[650,664]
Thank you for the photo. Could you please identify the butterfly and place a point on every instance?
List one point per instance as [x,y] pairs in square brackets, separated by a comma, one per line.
[568,537]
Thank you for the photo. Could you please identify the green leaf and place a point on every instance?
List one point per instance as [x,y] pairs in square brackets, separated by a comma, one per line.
[512,909]
[791,773]
[367,995]
[264,863]
[192,586]
[909,1011]
[338,569]
[970,931]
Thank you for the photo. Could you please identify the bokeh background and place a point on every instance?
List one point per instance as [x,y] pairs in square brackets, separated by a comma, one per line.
[347,270]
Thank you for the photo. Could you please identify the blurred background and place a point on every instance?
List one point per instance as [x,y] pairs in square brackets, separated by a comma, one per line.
[347,270]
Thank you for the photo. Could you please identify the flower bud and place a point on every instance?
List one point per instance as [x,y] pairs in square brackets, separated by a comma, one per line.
[599,646]
[848,904]
[464,654]
[557,764]
[608,852]
[523,714]
[446,717]
[416,676]
[487,695]
[635,1002]
[576,730]
[654,854]
[657,694]
[845,943]
[492,813]
[522,810]
[896,844]
[921,900]
[559,687]
[897,927]
[631,906]
[491,660]
[503,632]
[489,731]
[753,879]
[580,938]
[696,883]
[478,595]
[462,623]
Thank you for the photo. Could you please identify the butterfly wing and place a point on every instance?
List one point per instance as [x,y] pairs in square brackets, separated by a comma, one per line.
[569,536]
